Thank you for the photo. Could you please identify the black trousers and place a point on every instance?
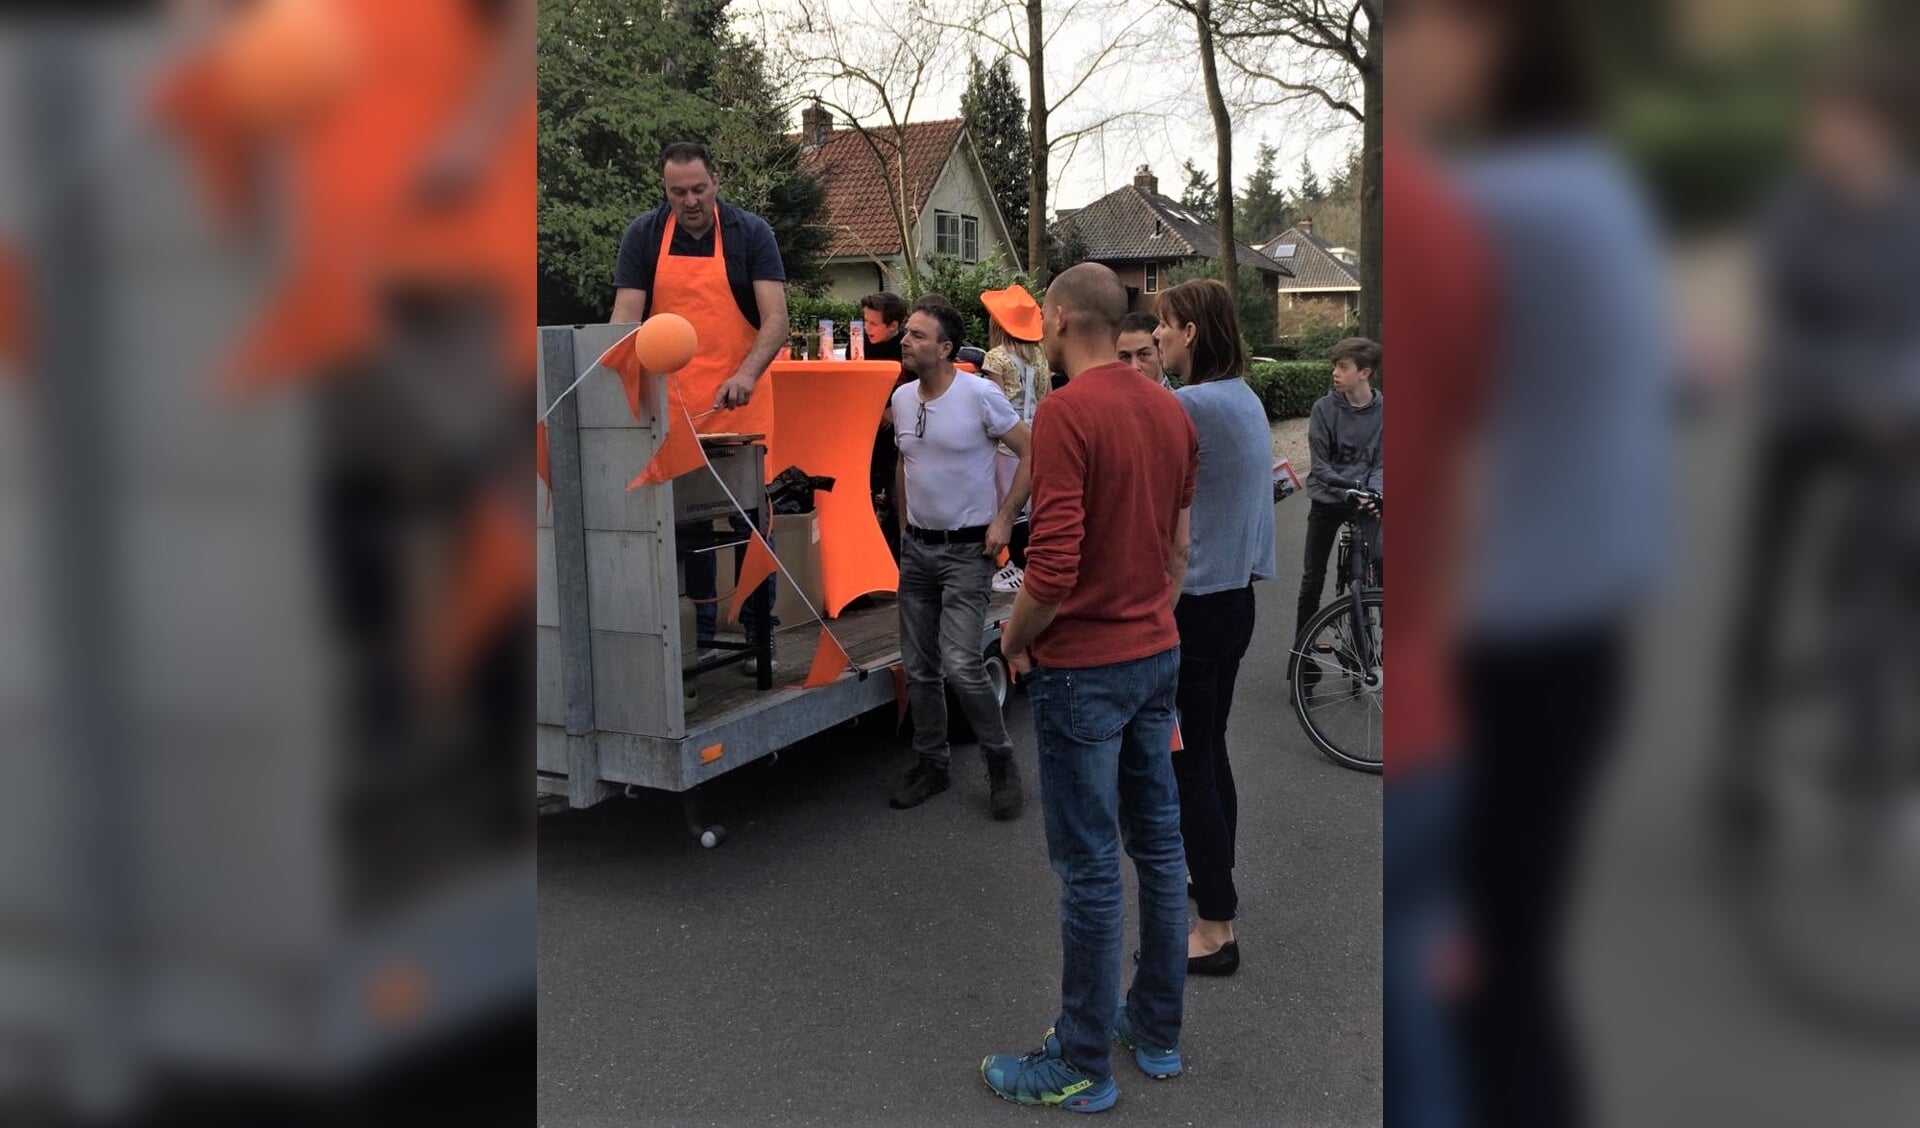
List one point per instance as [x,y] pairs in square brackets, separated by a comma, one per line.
[1541,716]
[1215,631]
[1323,530]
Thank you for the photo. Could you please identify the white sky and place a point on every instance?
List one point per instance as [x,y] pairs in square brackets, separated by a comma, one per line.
[1158,83]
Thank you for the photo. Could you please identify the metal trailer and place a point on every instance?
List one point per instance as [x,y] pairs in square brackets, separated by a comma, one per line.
[613,711]
[183,900]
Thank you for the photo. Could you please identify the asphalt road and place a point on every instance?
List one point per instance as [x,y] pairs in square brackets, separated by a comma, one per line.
[839,963]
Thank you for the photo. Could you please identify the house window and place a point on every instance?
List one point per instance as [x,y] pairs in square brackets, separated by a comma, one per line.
[956,235]
[1153,278]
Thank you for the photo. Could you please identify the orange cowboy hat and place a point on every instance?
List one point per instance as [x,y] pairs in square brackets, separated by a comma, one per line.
[1015,311]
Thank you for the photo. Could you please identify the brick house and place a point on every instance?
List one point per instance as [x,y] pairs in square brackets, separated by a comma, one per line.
[1141,235]
[937,171]
[1325,287]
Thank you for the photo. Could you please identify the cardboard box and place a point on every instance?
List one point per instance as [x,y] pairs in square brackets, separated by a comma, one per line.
[796,541]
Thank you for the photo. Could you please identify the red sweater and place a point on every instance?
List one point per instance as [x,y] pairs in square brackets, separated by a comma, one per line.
[1114,457]
[1441,306]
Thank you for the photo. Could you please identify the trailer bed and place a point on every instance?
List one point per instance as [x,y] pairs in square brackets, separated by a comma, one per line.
[731,722]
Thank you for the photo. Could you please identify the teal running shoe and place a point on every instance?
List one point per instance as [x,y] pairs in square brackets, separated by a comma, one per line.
[1044,1078]
[1157,1064]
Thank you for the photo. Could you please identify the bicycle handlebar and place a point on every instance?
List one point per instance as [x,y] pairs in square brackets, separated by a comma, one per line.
[1356,491]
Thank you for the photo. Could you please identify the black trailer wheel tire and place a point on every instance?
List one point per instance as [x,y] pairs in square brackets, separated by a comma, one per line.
[998,674]
[999,677]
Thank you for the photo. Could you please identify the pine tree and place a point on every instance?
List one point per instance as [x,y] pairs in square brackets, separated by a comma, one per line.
[1201,196]
[997,120]
[1345,184]
[1310,190]
[1263,208]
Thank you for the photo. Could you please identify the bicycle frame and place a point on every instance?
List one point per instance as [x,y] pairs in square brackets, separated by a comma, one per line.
[1356,550]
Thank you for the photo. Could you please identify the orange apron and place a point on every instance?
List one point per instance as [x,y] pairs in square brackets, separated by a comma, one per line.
[697,289]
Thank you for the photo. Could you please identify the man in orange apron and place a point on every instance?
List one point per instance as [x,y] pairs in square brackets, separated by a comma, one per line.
[719,267]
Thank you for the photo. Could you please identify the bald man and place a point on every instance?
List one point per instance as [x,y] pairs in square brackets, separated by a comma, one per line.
[1100,654]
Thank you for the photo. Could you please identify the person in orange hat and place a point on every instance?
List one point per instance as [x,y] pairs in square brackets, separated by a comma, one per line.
[1015,362]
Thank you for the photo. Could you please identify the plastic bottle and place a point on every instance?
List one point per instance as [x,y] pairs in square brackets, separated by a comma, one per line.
[856,340]
[826,338]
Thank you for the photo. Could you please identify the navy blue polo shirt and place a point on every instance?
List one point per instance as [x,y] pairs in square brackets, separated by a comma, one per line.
[752,254]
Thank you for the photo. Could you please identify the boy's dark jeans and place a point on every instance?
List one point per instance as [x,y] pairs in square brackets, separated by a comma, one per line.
[1323,530]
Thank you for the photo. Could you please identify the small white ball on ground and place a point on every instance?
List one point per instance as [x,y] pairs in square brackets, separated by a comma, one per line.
[709,839]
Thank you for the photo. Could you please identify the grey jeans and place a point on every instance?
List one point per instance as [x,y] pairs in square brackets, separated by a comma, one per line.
[943,616]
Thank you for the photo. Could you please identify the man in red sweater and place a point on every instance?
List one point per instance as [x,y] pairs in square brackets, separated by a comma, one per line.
[1114,458]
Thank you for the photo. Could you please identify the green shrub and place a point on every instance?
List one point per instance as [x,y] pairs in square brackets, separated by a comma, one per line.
[962,284]
[1312,343]
[804,314]
[1289,388]
[1708,156]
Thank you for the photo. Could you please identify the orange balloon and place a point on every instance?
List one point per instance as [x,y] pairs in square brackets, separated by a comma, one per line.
[287,59]
[664,343]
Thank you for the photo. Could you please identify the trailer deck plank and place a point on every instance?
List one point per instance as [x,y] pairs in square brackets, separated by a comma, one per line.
[871,638]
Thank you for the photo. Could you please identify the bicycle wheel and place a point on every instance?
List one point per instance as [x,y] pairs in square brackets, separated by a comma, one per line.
[1337,696]
[1817,800]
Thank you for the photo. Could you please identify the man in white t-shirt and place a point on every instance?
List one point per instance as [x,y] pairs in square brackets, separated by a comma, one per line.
[953,524]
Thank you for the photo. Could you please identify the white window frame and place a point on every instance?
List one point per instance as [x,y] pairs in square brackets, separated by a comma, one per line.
[970,238]
[946,233]
[1153,278]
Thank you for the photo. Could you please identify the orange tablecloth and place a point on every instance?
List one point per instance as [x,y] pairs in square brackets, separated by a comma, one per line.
[828,412]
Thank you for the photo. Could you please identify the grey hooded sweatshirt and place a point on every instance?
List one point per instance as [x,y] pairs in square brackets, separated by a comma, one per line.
[1346,443]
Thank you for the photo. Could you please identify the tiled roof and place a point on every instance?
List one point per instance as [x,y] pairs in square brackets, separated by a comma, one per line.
[859,202]
[1315,266]
[1132,224]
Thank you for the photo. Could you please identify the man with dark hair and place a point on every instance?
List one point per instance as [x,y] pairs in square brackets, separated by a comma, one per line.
[952,527]
[1093,632]
[1137,349]
[884,312]
[1344,435]
[717,266]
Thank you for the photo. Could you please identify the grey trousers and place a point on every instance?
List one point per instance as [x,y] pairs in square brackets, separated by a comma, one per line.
[943,614]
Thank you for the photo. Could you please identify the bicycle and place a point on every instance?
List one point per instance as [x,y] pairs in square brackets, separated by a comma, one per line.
[1336,667]
[1815,793]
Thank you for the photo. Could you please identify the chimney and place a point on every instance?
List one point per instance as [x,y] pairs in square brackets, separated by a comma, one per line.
[815,123]
[1306,224]
[1144,178]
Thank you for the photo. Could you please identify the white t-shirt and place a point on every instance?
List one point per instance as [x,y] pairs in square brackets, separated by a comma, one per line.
[949,463]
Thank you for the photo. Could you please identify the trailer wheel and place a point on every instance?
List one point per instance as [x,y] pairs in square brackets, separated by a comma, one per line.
[998,675]
[958,730]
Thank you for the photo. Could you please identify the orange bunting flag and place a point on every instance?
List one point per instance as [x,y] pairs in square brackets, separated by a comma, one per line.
[495,580]
[625,363]
[754,570]
[680,454]
[1179,745]
[541,465]
[828,661]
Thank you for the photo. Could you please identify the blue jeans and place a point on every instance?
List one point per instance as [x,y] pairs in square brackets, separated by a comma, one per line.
[1106,777]
[1419,895]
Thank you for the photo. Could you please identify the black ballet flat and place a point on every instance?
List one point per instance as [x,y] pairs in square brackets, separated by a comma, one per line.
[1226,961]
